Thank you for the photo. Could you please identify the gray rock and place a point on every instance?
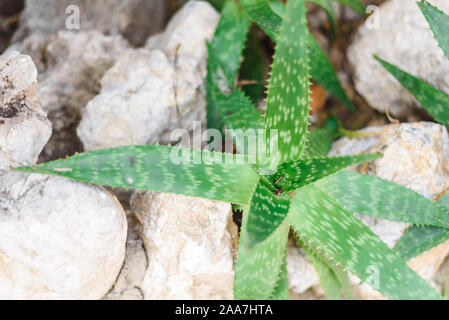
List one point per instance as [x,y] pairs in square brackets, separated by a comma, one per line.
[404,39]
[301,273]
[24,127]
[59,239]
[190,243]
[136,20]
[187,32]
[129,281]
[71,67]
[137,103]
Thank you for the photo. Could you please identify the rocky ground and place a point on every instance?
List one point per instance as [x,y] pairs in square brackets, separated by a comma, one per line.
[110,83]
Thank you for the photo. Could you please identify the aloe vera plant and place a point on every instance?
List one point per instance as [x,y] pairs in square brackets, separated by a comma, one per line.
[321,69]
[418,238]
[298,189]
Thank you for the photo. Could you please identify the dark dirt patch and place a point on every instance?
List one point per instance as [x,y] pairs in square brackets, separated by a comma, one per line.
[10,110]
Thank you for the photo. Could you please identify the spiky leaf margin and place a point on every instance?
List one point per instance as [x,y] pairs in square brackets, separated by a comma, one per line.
[267,212]
[319,142]
[190,172]
[296,174]
[258,269]
[379,198]
[439,24]
[333,278]
[434,101]
[281,292]
[227,46]
[338,235]
[419,239]
[288,90]
[321,69]
[253,69]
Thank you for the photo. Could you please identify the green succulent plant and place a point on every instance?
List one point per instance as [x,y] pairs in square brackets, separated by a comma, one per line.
[304,191]
[419,239]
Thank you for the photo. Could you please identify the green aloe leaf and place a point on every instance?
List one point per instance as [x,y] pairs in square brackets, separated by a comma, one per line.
[434,101]
[419,239]
[217,4]
[356,5]
[258,269]
[327,6]
[238,113]
[281,291]
[253,69]
[319,142]
[229,39]
[260,12]
[321,70]
[328,279]
[210,175]
[333,278]
[379,198]
[293,175]
[439,24]
[342,238]
[236,109]
[227,47]
[288,90]
[267,212]
[277,6]
[213,116]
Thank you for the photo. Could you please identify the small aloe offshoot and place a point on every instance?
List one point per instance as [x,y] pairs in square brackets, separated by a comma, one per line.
[303,190]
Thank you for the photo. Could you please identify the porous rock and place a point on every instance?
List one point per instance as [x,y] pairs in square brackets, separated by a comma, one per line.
[137,104]
[151,91]
[301,273]
[71,67]
[24,127]
[190,243]
[59,239]
[129,281]
[404,39]
[187,32]
[133,19]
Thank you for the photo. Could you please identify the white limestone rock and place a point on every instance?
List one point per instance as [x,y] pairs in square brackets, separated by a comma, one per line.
[190,244]
[24,127]
[140,94]
[71,67]
[59,239]
[137,104]
[187,32]
[405,40]
[129,281]
[301,273]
